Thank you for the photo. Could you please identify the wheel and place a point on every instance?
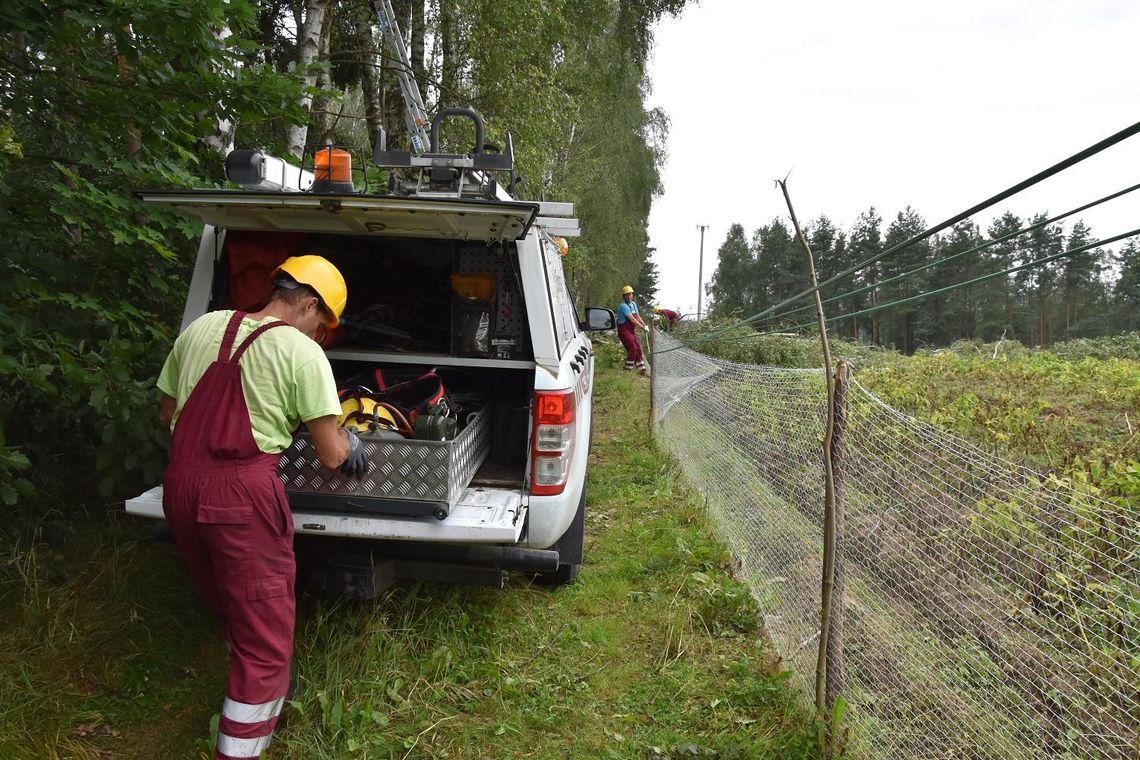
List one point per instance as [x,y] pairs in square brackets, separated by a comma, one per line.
[562,576]
[569,546]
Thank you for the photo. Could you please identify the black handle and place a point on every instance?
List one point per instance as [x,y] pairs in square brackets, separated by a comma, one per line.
[465,112]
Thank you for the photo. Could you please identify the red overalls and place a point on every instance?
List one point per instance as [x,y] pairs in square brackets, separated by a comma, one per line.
[627,334]
[232,525]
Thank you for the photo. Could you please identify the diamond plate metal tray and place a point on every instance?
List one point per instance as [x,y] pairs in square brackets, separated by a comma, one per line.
[410,470]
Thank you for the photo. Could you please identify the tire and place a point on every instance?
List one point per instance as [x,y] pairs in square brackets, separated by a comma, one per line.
[571,543]
[564,575]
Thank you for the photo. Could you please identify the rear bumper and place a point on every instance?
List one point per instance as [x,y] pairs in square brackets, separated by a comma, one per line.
[481,516]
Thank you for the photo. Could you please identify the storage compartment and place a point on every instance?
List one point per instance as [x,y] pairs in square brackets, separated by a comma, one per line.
[407,477]
[414,306]
[405,295]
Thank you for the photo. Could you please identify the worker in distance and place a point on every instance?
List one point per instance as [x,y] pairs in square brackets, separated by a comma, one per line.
[670,318]
[628,322]
[235,387]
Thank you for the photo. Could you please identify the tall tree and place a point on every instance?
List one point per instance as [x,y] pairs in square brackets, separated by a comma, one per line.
[866,243]
[369,55]
[781,266]
[1079,279]
[997,306]
[829,249]
[901,320]
[1035,286]
[728,290]
[948,317]
[646,284]
[1126,294]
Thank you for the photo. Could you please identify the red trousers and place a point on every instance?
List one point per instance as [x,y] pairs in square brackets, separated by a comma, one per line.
[232,525]
[234,531]
[627,334]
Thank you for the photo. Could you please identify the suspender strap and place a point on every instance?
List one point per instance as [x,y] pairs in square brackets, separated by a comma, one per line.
[252,336]
[230,335]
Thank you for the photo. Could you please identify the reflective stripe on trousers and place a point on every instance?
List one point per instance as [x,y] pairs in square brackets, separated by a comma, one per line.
[232,748]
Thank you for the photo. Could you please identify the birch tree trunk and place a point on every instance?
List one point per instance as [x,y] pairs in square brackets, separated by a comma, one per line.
[222,139]
[323,120]
[308,47]
[132,136]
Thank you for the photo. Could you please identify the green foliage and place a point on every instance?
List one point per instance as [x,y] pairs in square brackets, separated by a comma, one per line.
[728,289]
[646,285]
[12,485]
[745,345]
[99,101]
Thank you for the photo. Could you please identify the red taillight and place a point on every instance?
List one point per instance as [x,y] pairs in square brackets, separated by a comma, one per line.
[553,408]
[552,442]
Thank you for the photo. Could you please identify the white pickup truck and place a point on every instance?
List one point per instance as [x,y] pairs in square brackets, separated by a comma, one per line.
[509,492]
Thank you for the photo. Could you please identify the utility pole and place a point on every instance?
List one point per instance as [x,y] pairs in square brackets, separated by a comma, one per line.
[701,270]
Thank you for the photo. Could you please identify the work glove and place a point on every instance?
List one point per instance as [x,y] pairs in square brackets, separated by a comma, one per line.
[356,464]
[645,327]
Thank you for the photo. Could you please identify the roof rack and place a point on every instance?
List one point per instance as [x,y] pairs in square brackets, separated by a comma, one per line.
[450,174]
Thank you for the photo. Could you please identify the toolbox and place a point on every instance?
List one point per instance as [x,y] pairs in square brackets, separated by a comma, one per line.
[407,477]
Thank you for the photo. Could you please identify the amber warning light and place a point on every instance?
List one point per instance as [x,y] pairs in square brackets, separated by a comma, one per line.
[332,171]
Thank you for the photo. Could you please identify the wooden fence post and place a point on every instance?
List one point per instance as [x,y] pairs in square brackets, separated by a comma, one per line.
[826,586]
[652,381]
[839,472]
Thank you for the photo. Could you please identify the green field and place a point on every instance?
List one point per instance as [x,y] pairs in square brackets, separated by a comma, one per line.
[656,652]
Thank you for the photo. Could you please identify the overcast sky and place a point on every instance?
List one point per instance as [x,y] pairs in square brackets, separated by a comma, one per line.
[887,103]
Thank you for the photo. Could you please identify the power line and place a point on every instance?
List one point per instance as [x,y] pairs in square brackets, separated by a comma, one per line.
[948,259]
[1024,184]
[928,294]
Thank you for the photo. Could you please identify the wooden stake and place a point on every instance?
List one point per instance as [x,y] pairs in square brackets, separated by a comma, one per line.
[838,469]
[828,475]
[652,377]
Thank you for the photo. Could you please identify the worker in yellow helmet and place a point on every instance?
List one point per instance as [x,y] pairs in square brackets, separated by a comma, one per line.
[235,387]
[628,322]
[670,317]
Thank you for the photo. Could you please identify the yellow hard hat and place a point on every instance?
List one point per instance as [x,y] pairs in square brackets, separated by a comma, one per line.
[319,274]
[656,309]
[626,290]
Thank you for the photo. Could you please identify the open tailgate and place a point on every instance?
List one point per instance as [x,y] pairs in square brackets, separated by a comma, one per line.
[482,515]
[447,218]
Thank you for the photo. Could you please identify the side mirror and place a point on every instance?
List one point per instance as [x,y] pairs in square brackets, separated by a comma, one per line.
[599,319]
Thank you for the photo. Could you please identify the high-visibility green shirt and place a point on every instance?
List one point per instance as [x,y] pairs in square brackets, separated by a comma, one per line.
[284,374]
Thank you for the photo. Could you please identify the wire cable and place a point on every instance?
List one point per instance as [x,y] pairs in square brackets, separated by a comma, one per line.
[948,288]
[1076,158]
[948,259]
